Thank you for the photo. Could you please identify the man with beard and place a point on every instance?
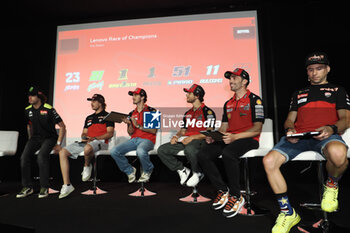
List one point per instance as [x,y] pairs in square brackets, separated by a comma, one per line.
[188,138]
[242,121]
[42,119]
[142,139]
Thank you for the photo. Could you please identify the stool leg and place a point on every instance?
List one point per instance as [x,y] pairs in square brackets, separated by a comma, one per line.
[142,189]
[195,194]
[249,208]
[247,186]
[95,177]
[324,223]
[320,177]
[94,190]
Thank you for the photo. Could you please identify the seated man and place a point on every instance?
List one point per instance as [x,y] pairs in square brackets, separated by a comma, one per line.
[95,137]
[319,107]
[190,136]
[142,139]
[41,118]
[242,121]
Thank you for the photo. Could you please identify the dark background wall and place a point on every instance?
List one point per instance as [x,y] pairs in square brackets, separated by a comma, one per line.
[288,32]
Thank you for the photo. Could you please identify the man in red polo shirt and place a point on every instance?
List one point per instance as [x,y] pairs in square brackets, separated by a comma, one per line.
[142,139]
[188,138]
[242,121]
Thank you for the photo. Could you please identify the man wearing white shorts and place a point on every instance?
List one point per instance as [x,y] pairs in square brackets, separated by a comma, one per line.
[95,137]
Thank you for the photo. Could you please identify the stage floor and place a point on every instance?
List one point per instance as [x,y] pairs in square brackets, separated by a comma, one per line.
[116,211]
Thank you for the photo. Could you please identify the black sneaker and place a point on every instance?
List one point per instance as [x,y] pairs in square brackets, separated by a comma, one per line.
[26,191]
[44,192]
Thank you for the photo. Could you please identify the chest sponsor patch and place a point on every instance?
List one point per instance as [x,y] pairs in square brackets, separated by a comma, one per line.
[245,107]
[303,95]
[327,94]
[303,100]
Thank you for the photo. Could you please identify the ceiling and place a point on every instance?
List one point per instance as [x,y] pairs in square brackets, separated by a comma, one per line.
[74,11]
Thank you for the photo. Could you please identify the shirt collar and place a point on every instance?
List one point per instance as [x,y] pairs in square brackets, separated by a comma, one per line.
[144,108]
[40,108]
[200,107]
[243,97]
[99,113]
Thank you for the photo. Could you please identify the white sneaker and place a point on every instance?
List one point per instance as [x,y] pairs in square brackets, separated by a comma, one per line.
[66,190]
[194,180]
[145,176]
[184,173]
[132,176]
[86,174]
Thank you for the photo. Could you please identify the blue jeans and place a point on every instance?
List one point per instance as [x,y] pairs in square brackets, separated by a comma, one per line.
[142,147]
[291,150]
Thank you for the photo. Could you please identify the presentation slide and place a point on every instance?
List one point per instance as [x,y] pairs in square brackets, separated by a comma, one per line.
[160,55]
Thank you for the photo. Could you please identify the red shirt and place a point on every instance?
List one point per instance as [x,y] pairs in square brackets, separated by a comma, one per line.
[317,106]
[139,119]
[96,125]
[191,117]
[241,114]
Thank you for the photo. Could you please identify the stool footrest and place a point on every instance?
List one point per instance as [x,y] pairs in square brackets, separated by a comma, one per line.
[142,192]
[92,191]
[253,210]
[311,206]
[195,197]
[52,191]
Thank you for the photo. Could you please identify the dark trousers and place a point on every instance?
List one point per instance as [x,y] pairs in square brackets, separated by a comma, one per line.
[167,153]
[230,157]
[43,159]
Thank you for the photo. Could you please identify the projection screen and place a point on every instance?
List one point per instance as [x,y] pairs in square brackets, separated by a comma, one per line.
[160,55]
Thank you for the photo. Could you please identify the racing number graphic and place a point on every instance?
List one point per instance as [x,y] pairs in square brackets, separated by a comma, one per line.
[123,74]
[181,71]
[96,75]
[151,72]
[73,77]
[213,70]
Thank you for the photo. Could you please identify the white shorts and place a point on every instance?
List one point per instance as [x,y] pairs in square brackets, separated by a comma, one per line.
[77,147]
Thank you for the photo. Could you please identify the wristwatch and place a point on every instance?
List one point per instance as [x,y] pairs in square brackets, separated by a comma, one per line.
[287,129]
[335,128]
